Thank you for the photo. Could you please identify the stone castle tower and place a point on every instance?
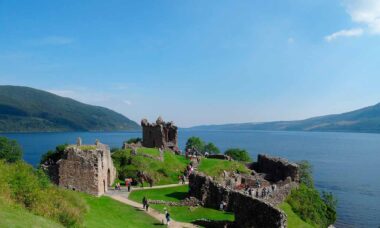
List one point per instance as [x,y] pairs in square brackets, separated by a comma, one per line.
[160,134]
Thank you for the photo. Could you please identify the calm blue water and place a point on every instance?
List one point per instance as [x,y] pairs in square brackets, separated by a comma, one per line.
[347,164]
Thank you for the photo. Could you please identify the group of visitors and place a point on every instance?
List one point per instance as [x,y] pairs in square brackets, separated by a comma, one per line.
[145,203]
[182,179]
[265,191]
[117,186]
[189,170]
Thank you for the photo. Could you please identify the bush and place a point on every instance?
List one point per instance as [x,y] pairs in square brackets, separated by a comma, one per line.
[211,148]
[54,156]
[201,146]
[238,154]
[134,140]
[22,184]
[308,203]
[10,150]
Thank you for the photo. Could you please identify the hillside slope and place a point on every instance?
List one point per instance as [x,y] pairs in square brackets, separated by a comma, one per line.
[362,120]
[24,109]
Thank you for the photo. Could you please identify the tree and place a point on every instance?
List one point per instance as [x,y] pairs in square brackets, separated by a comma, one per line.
[134,140]
[211,148]
[238,154]
[306,173]
[10,150]
[195,142]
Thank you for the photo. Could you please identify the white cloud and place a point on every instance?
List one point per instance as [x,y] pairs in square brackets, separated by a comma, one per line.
[127,102]
[363,12]
[366,12]
[344,33]
[54,40]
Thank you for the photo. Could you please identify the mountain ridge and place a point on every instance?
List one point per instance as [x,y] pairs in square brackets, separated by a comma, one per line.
[366,120]
[25,109]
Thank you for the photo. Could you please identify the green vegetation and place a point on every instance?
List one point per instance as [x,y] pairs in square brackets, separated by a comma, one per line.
[21,184]
[106,212]
[201,146]
[309,204]
[10,150]
[134,140]
[238,154]
[162,172]
[18,217]
[87,147]
[215,167]
[24,109]
[55,155]
[293,220]
[179,213]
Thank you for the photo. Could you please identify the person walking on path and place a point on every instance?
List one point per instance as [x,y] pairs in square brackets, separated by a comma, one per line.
[147,205]
[144,202]
[167,216]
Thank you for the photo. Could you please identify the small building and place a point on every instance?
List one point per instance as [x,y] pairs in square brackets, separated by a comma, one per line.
[160,134]
[86,168]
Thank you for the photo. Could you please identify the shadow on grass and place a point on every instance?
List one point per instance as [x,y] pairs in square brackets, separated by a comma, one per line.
[177,195]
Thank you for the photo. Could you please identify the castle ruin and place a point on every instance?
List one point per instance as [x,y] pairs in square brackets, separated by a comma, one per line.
[160,134]
[85,168]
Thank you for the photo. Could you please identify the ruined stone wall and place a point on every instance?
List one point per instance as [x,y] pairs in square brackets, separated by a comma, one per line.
[249,212]
[276,169]
[89,171]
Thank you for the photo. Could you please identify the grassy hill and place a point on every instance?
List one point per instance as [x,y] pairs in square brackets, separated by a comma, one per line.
[362,120]
[24,109]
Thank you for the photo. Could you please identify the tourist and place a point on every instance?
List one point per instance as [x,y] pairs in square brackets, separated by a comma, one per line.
[144,202]
[183,179]
[250,191]
[167,216]
[206,154]
[221,206]
[147,205]
[129,185]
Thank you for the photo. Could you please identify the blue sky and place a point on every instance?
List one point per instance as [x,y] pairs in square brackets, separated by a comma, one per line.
[197,62]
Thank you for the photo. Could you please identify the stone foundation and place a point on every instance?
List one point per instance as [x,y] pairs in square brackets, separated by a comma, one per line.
[276,169]
[249,211]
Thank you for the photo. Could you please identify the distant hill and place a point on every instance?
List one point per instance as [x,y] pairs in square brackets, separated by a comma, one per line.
[362,120]
[24,109]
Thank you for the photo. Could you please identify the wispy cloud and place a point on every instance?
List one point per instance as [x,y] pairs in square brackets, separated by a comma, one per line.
[363,12]
[54,40]
[344,33]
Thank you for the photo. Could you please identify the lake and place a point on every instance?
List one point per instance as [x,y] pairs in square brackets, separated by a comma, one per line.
[346,164]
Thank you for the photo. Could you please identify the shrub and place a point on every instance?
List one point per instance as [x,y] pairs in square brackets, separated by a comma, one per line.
[201,146]
[238,154]
[22,184]
[211,148]
[308,203]
[10,150]
[54,156]
[134,140]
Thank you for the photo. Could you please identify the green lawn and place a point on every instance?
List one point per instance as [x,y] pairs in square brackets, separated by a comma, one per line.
[293,220]
[13,216]
[215,167]
[106,212]
[182,214]
[163,172]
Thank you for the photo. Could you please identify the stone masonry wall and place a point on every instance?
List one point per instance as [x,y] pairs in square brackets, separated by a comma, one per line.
[249,212]
[89,171]
[276,169]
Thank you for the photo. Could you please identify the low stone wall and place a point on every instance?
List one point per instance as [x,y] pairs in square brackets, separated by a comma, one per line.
[276,169]
[188,202]
[219,156]
[249,212]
